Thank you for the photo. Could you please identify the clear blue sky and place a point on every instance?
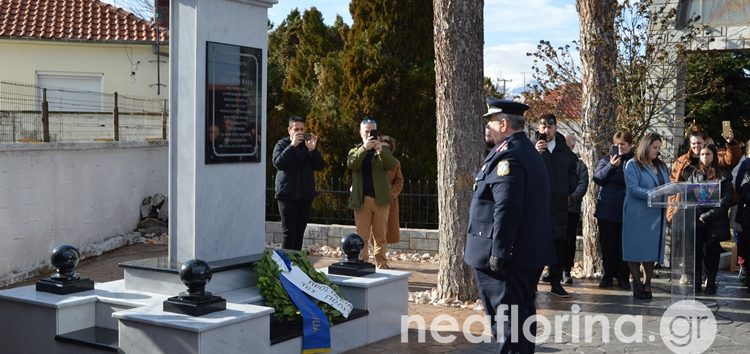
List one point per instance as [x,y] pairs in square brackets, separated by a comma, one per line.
[512,28]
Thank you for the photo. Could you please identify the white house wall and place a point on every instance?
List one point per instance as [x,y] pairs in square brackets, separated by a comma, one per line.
[23,59]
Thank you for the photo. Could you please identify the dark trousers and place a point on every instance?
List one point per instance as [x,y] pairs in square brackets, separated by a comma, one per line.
[514,288]
[610,242]
[294,215]
[743,247]
[707,255]
[555,270]
[574,221]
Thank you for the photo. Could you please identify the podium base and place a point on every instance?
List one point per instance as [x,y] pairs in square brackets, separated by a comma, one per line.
[61,287]
[194,306]
[352,269]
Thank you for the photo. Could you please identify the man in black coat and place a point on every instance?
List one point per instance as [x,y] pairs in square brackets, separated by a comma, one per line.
[509,241]
[295,158]
[561,168]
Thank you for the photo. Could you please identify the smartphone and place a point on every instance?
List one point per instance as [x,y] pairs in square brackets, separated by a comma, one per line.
[541,136]
[308,136]
[374,134]
[615,150]
[726,128]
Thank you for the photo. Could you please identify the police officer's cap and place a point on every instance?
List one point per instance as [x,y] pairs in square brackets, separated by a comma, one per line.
[496,105]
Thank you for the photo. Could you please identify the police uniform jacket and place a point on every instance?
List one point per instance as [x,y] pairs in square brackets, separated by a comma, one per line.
[509,215]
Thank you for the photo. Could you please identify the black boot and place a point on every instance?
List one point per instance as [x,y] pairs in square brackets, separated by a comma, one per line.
[710,284]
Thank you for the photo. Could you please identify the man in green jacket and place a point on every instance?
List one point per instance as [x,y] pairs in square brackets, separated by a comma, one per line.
[371,193]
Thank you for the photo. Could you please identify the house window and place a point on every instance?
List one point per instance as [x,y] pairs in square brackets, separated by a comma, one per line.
[72,92]
[716,12]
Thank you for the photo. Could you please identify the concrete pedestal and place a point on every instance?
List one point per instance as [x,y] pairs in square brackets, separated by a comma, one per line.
[385,294]
[238,329]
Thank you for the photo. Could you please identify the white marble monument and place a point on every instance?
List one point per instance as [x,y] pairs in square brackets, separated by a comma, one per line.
[218,54]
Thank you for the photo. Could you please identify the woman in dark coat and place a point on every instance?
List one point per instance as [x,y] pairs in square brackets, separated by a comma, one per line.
[610,176]
[712,224]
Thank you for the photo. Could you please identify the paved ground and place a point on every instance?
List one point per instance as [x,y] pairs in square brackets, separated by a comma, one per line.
[731,307]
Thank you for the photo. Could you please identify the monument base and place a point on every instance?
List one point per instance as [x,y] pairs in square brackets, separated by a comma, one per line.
[194,306]
[352,269]
[63,287]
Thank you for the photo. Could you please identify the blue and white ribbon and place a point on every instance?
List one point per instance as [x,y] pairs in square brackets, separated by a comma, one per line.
[302,281]
[316,332]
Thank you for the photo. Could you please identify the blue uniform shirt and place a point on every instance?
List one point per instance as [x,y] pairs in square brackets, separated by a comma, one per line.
[509,216]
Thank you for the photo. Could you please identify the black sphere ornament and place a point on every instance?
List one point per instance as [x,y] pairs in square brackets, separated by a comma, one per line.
[65,258]
[352,244]
[195,274]
[65,281]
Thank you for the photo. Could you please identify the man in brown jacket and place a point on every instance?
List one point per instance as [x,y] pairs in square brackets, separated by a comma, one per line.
[393,232]
[728,156]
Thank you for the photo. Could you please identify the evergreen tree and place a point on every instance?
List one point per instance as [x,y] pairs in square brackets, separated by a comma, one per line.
[282,43]
[719,89]
[314,43]
[388,67]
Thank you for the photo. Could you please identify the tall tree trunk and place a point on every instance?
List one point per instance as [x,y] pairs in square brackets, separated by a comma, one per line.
[599,57]
[459,46]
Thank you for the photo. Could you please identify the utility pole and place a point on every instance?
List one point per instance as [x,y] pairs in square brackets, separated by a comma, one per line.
[524,81]
[504,81]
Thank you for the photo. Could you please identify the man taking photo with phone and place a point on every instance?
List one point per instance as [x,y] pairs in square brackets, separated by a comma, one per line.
[561,166]
[371,191]
[295,158]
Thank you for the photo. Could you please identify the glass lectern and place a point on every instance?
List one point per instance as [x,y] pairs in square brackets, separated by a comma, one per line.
[685,197]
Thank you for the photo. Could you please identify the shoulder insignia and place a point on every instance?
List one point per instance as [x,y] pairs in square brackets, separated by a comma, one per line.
[502,147]
[503,168]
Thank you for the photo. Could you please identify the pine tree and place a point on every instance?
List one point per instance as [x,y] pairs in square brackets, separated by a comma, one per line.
[388,66]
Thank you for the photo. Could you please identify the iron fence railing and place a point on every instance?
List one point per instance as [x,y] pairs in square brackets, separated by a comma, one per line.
[30,113]
[417,204]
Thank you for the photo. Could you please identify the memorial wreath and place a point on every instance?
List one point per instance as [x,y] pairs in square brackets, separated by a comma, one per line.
[274,294]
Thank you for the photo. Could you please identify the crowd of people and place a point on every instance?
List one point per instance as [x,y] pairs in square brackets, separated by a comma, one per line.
[525,211]
[377,182]
[522,176]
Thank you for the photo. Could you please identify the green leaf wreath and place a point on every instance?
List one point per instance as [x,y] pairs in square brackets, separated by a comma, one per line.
[274,293]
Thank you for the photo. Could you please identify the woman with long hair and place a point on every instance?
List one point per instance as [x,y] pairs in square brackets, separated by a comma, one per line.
[711,224]
[643,228]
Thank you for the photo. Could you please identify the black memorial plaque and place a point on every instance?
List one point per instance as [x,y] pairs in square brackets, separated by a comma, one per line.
[233,103]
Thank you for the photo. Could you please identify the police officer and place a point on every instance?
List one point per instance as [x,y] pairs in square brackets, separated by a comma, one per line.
[509,239]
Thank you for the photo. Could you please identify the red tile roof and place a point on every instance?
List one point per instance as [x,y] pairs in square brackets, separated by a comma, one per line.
[77,20]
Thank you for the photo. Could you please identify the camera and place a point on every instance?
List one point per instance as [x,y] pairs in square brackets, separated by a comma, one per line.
[541,136]
[615,150]
[308,136]
[374,134]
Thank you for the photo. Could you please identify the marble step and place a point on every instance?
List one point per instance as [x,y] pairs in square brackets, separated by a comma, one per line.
[282,331]
[98,338]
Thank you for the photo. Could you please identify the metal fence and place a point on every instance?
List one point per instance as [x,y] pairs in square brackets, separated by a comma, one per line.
[417,204]
[29,113]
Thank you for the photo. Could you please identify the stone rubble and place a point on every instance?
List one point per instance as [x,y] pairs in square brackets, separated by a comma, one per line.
[151,238]
[431,297]
[154,215]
